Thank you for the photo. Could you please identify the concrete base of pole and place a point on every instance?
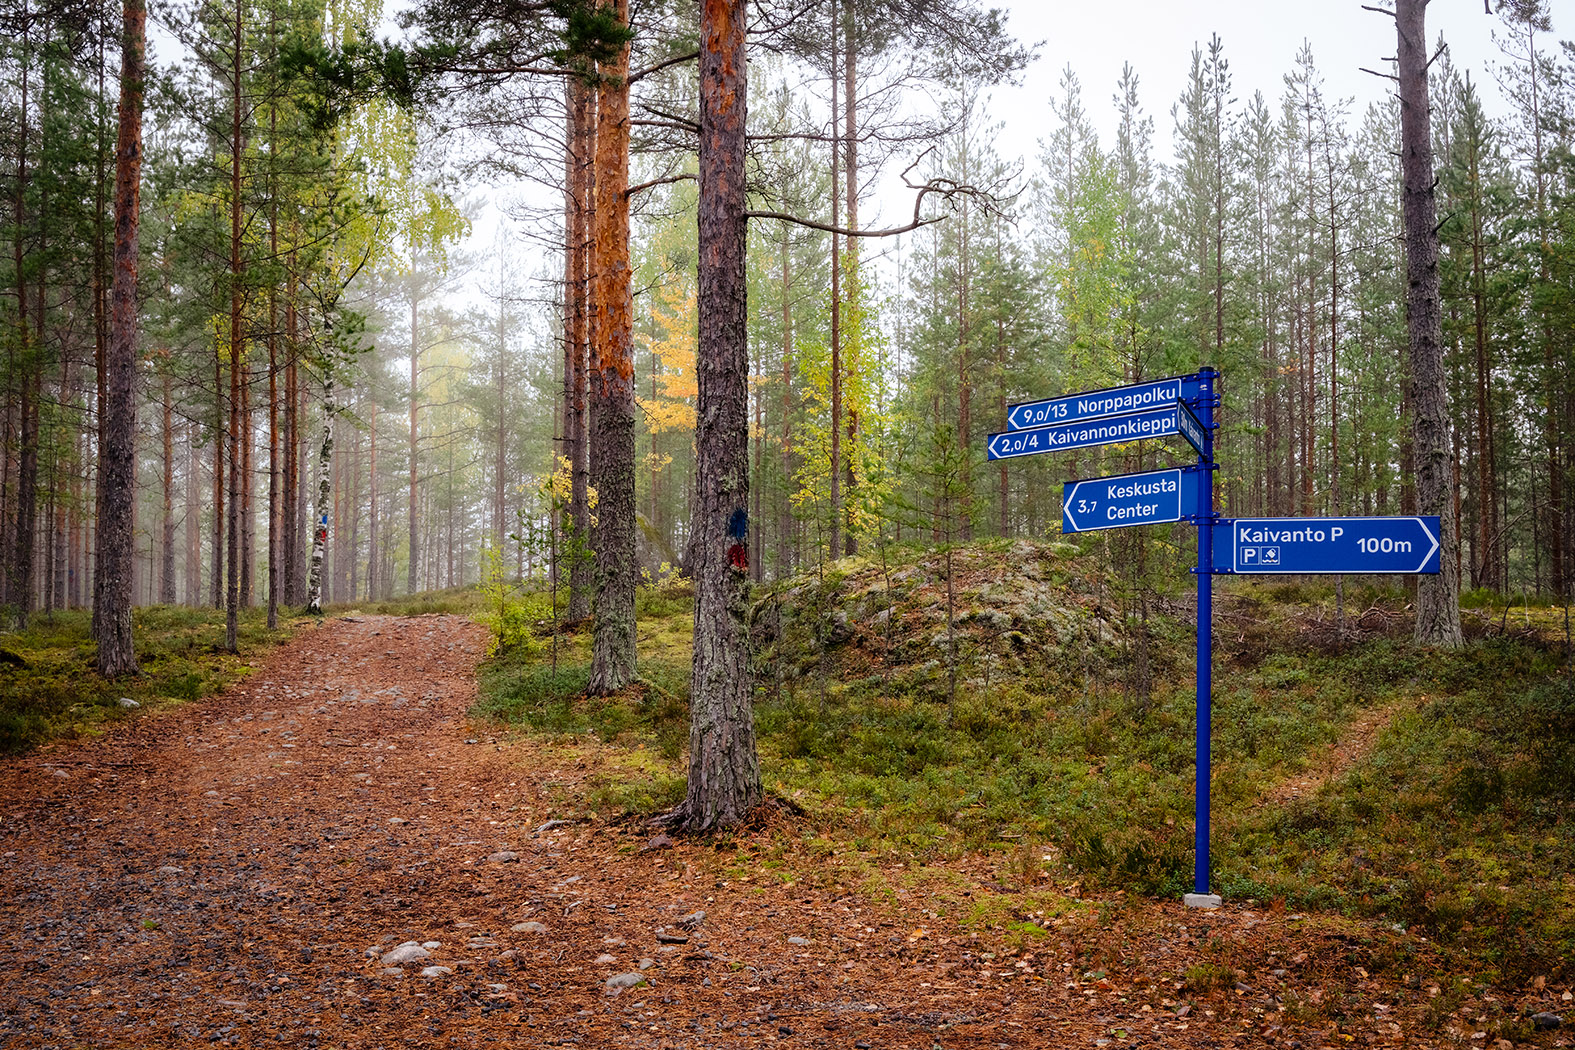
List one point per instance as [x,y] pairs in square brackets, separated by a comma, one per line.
[1202,900]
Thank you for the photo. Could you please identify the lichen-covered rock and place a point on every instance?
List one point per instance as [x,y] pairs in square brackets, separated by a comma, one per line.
[1025,608]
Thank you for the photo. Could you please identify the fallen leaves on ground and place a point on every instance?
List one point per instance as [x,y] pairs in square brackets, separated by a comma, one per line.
[244,871]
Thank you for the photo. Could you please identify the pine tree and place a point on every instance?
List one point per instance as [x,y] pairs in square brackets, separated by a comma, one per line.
[1438,604]
[724,770]
[117,438]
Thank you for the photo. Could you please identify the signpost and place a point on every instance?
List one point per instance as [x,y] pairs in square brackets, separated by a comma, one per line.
[1330,545]
[1199,432]
[1095,404]
[1185,405]
[1124,500]
[1085,433]
[1192,429]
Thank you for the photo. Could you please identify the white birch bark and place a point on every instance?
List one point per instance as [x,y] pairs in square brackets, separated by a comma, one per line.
[314,583]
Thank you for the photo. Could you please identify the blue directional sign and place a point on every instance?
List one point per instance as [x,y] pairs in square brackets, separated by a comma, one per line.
[1193,430]
[1107,430]
[1126,499]
[1328,546]
[1091,404]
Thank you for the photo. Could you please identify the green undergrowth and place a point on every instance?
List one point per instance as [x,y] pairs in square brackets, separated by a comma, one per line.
[49,688]
[1461,820]
[544,691]
[1455,818]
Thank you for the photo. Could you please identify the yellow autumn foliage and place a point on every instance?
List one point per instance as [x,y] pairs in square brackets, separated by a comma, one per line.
[674,313]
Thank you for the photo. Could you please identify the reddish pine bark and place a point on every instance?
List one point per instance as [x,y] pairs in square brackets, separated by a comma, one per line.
[112,594]
[611,387]
[850,145]
[724,770]
[273,455]
[233,519]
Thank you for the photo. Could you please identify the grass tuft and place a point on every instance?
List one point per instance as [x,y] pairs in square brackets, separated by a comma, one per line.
[52,689]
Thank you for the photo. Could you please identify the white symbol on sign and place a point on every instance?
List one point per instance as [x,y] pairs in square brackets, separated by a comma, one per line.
[1271,555]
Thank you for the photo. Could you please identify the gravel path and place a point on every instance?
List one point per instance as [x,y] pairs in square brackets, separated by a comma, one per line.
[328,856]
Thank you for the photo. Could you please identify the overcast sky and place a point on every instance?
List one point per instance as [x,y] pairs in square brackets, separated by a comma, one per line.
[1261,39]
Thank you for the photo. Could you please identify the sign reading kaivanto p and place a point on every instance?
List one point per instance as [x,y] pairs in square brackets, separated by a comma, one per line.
[1329,545]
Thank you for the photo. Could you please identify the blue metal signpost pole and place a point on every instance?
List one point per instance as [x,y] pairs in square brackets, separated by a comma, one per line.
[1200,897]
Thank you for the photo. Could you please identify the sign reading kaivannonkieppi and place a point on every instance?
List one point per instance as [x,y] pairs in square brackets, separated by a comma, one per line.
[1084,433]
[1186,405]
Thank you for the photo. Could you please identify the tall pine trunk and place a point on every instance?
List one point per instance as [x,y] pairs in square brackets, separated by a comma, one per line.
[273,371]
[17,354]
[1485,562]
[233,519]
[1437,598]
[785,506]
[373,569]
[835,435]
[290,516]
[193,541]
[117,463]
[612,386]
[19,575]
[724,770]
[851,362]
[580,178]
[216,569]
[273,446]
[167,553]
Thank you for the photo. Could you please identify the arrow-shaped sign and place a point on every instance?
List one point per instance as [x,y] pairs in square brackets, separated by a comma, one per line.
[1108,430]
[1092,404]
[1328,546]
[1126,499]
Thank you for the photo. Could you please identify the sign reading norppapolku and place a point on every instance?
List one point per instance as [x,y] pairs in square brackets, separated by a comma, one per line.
[1091,404]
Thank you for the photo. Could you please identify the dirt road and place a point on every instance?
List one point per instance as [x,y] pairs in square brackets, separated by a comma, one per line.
[239,872]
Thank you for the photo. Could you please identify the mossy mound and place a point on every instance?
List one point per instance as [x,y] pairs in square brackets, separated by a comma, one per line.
[1014,609]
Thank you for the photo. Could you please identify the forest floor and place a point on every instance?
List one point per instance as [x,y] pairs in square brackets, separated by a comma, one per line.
[238,871]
